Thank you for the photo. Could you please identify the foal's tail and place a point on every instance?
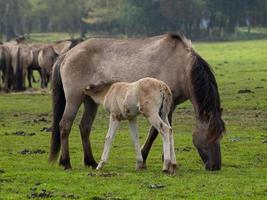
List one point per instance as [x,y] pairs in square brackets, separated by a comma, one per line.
[59,102]
[166,101]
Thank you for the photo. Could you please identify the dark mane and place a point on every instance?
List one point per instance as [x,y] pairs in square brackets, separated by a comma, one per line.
[207,97]
[176,36]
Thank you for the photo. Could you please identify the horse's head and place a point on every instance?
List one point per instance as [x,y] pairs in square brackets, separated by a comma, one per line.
[207,137]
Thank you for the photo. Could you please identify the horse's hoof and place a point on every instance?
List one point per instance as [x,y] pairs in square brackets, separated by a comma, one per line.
[90,163]
[172,168]
[100,165]
[140,165]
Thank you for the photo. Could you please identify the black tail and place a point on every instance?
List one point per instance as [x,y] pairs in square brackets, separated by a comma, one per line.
[207,97]
[59,102]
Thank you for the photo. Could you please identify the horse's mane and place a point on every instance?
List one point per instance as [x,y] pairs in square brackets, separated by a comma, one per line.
[207,96]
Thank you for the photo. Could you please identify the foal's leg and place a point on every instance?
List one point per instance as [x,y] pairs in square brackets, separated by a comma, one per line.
[153,133]
[90,109]
[164,129]
[113,125]
[65,128]
[173,157]
[134,133]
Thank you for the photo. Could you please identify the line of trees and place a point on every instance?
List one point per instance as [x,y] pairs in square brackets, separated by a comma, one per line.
[195,18]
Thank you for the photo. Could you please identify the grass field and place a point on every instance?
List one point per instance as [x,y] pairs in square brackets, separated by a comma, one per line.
[25,172]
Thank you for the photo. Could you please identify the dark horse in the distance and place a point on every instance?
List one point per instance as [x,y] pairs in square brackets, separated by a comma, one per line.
[168,57]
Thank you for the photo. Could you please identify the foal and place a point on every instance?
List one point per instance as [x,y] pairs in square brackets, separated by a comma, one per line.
[124,101]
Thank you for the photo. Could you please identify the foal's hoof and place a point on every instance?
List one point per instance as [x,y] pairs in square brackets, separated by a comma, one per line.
[140,165]
[100,165]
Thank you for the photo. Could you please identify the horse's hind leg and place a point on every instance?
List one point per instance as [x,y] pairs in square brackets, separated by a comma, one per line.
[134,134]
[113,125]
[164,129]
[90,109]
[66,122]
[172,149]
[30,74]
[152,135]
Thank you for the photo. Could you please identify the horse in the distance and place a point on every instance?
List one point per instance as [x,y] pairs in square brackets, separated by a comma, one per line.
[46,59]
[5,67]
[168,57]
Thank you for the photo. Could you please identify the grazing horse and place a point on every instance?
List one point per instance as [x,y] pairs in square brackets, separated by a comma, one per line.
[46,59]
[124,101]
[35,48]
[21,59]
[5,67]
[169,58]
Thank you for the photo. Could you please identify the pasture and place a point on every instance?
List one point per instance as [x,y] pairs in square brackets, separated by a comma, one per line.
[241,72]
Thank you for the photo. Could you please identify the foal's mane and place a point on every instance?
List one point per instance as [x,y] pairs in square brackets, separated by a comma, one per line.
[207,96]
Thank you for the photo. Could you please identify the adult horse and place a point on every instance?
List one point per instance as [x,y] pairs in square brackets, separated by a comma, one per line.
[35,48]
[46,59]
[169,58]
[5,67]
[21,59]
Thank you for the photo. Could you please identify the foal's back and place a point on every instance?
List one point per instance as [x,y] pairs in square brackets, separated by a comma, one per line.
[146,95]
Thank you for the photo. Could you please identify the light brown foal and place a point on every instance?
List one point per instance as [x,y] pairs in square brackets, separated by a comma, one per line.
[124,101]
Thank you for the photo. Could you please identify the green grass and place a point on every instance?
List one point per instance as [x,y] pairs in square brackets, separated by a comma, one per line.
[237,65]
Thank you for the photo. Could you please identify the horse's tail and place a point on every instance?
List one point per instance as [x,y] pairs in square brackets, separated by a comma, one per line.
[59,102]
[166,101]
[207,97]
[19,71]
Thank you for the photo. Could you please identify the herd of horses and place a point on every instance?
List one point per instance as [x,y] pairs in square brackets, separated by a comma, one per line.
[19,58]
[78,68]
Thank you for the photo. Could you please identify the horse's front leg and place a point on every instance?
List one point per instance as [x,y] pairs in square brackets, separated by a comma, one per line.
[134,134]
[90,110]
[113,125]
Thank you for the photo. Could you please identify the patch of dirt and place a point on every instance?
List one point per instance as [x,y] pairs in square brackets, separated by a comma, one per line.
[259,87]
[27,151]
[183,149]
[244,91]
[22,133]
[155,186]
[42,194]
[103,174]
[70,196]
[39,119]
[107,196]
[46,129]
[234,139]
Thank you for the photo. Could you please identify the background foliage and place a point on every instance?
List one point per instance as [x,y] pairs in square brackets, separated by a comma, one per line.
[199,19]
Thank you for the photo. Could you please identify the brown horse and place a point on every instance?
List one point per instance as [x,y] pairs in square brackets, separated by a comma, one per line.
[5,67]
[46,59]
[21,59]
[35,48]
[169,58]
